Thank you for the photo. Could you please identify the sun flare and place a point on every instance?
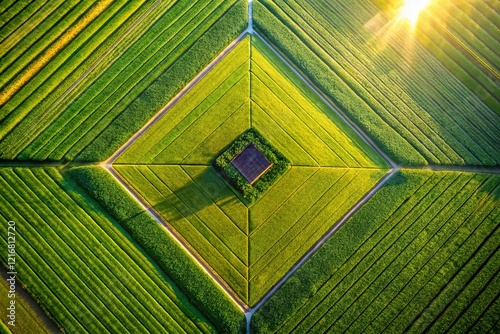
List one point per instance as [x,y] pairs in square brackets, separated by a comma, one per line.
[411,10]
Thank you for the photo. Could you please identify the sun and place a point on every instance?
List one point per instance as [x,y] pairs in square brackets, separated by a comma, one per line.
[411,9]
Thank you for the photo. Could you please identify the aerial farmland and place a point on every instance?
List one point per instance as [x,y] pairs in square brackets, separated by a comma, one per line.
[250,166]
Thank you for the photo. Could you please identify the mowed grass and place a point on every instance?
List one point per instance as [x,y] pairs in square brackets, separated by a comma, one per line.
[148,66]
[89,275]
[250,246]
[389,84]
[421,255]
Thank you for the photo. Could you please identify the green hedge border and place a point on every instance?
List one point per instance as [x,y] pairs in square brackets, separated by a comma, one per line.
[251,192]
[199,287]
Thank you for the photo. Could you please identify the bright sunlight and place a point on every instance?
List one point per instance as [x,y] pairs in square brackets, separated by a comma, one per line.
[411,9]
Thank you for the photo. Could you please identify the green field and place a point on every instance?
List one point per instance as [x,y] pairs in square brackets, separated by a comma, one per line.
[383,216]
[405,99]
[421,255]
[74,258]
[250,245]
[126,88]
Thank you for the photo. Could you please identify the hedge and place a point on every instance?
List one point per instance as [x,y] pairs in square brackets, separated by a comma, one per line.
[202,291]
[251,192]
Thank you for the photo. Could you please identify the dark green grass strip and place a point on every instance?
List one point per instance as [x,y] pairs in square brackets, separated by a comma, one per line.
[200,289]
[77,250]
[402,277]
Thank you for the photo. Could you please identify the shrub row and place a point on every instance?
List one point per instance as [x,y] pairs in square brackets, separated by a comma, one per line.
[199,287]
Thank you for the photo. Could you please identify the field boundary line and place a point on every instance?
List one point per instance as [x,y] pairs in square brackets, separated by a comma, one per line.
[329,103]
[317,245]
[180,240]
[176,98]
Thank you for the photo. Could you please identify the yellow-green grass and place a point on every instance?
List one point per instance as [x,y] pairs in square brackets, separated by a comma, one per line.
[421,255]
[388,84]
[84,270]
[250,245]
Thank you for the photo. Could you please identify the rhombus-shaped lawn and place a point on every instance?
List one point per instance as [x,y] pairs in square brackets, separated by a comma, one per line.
[250,246]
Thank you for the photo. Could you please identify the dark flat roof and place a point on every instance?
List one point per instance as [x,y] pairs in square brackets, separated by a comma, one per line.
[251,163]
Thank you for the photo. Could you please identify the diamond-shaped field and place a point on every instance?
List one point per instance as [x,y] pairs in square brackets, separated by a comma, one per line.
[250,246]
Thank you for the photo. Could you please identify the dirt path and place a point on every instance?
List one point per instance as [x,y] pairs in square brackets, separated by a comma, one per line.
[184,244]
[176,98]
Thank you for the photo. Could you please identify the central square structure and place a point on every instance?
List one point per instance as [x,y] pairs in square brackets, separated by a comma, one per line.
[251,163]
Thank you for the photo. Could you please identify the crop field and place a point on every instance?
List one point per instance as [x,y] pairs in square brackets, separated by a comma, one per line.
[74,258]
[250,166]
[399,94]
[125,90]
[425,260]
[250,246]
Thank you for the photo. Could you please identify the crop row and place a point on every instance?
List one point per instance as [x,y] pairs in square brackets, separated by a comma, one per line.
[398,265]
[311,208]
[482,41]
[210,30]
[76,266]
[208,229]
[53,50]
[434,90]
[409,123]
[113,91]
[458,60]
[197,102]
[311,117]
[468,42]
[199,288]
[34,106]
[124,101]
